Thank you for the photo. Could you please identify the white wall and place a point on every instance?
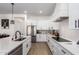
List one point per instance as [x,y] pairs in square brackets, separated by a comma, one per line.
[68,33]
[12,27]
[19,25]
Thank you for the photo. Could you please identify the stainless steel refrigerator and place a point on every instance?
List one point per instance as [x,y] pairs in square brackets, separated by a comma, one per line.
[31,31]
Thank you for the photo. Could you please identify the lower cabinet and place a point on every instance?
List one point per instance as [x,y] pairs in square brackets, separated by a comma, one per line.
[56,48]
[16,51]
[41,38]
[58,51]
[22,49]
[50,44]
[26,47]
[63,51]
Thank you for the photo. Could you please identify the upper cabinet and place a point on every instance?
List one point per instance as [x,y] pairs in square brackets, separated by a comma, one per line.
[42,25]
[74,16]
[61,12]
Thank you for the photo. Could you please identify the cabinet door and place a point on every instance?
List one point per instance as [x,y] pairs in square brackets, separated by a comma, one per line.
[59,50]
[49,42]
[43,37]
[26,46]
[38,38]
[56,48]
[64,51]
[74,16]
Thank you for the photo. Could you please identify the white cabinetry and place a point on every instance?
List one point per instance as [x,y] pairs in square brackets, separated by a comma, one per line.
[59,50]
[49,42]
[55,47]
[41,38]
[61,10]
[42,25]
[64,51]
[19,25]
[26,46]
[38,37]
[74,16]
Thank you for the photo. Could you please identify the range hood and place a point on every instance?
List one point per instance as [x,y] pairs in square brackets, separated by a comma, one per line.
[61,18]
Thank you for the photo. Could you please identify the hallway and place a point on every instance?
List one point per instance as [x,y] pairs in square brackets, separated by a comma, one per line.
[39,49]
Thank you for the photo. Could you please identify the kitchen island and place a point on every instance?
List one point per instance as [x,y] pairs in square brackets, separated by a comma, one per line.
[7,45]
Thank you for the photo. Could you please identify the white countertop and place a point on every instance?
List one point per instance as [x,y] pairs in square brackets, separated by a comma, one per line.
[7,45]
[73,48]
[70,46]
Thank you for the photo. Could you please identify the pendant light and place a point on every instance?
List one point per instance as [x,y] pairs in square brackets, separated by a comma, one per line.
[12,21]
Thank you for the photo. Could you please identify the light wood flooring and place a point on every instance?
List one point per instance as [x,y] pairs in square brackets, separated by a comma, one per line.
[39,49]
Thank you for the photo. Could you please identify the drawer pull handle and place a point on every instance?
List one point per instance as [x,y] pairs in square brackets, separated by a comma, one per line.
[63,51]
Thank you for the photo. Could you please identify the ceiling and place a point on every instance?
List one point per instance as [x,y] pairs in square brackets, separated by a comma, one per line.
[36,9]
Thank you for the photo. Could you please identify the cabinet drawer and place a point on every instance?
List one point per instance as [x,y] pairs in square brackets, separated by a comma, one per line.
[56,48]
[64,51]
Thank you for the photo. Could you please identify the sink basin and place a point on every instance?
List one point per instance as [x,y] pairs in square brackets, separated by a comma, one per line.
[20,39]
[4,35]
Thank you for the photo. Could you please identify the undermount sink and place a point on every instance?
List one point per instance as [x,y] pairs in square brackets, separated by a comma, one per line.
[4,35]
[20,39]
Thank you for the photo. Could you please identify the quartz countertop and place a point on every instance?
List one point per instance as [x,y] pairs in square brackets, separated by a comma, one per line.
[73,48]
[7,45]
[70,46]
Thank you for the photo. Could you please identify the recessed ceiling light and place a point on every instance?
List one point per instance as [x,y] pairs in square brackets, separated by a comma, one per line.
[41,11]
